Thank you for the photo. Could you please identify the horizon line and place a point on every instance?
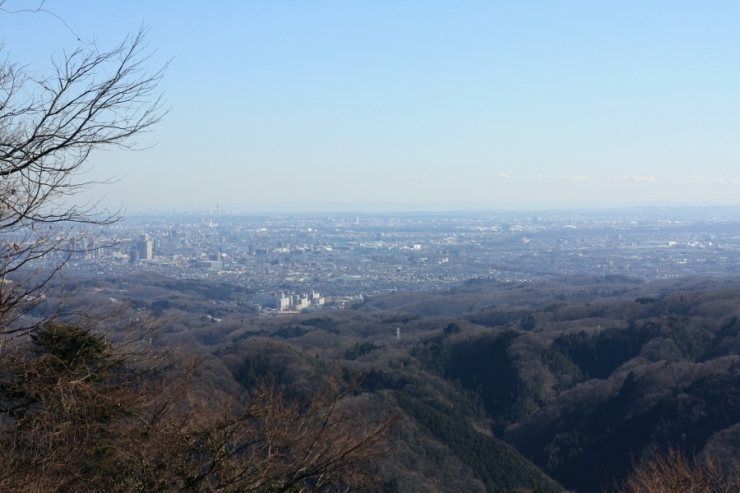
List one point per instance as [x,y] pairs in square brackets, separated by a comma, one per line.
[411,207]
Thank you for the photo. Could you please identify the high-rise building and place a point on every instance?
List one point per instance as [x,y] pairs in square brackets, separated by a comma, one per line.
[145,247]
[78,248]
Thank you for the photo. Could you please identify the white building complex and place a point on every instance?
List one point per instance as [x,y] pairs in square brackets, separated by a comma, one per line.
[285,301]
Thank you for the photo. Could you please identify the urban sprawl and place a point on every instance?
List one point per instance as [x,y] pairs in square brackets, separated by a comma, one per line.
[290,262]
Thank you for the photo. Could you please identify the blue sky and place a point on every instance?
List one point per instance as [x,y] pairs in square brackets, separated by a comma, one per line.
[488,103]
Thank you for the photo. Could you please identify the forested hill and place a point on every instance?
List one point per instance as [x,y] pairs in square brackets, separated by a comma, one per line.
[500,386]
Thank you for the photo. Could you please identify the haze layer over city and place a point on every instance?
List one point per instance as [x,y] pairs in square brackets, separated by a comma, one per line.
[343,256]
[460,141]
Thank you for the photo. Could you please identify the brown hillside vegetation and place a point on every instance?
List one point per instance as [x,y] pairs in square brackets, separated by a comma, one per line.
[673,472]
[564,391]
[81,414]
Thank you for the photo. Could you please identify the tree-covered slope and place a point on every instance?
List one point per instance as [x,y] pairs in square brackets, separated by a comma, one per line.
[578,376]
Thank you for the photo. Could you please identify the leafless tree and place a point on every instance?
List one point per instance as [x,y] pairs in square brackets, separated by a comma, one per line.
[50,123]
[673,472]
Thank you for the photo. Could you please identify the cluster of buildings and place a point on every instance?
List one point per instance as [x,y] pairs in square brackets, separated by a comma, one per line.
[343,256]
[143,249]
[286,301]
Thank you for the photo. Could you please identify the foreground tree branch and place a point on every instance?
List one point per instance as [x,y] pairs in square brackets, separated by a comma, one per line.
[50,123]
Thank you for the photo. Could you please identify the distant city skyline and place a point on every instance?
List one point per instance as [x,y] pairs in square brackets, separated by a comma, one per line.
[426,105]
[313,255]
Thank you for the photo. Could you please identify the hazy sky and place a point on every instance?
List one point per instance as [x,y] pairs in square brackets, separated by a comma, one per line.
[498,103]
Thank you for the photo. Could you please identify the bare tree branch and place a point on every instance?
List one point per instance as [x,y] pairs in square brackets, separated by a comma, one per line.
[39,9]
[50,123]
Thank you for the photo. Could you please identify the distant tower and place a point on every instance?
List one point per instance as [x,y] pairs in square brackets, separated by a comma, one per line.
[398,332]
[145,247]
[82,248]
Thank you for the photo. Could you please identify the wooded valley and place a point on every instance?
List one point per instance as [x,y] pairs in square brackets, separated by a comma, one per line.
[560,384]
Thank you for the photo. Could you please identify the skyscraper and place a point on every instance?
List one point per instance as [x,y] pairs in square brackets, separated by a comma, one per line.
[145,246]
